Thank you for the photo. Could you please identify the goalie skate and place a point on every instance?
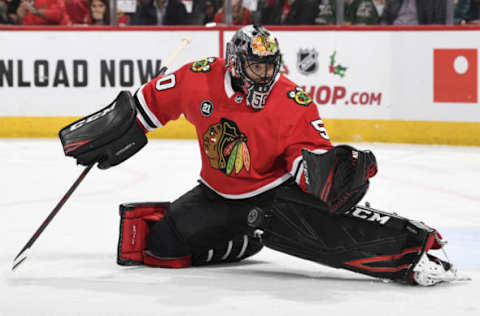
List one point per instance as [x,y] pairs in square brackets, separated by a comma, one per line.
[431,270]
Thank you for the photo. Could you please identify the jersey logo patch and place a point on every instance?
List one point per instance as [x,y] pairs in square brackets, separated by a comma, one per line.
[226,147]
[206,108]
[300,96]
[203,65]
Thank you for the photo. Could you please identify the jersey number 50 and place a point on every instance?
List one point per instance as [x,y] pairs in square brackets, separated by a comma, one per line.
[319,126]
[166,82]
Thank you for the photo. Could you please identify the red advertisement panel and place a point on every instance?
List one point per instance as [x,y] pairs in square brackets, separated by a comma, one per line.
[455,75]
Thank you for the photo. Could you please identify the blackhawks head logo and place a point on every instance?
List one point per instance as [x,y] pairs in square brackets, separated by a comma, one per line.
[264,45]
[203,65]
[300,96]
[226,147]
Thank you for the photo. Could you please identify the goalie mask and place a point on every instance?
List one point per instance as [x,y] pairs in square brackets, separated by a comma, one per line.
[253,56]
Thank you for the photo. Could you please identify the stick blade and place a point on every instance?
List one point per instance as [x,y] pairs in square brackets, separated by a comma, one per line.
[20,258]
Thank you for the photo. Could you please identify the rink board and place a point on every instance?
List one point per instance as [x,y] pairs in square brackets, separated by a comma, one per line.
[340,130]
[416,85]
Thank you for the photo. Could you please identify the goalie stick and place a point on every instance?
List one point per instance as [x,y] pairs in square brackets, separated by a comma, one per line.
[23,254]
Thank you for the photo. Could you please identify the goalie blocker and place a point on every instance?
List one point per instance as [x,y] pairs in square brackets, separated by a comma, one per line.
[109,136]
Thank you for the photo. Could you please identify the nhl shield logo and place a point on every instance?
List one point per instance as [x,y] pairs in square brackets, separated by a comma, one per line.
[307,61]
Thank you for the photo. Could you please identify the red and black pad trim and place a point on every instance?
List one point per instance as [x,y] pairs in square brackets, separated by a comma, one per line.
[135,222]
[328,185]
[176,263]
[73,146]
[387,263]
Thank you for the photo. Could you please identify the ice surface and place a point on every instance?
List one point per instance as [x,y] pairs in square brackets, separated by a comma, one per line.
[72,270]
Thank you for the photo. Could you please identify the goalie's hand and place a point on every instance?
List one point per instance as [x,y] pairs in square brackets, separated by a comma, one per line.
[340,176]
[109,136]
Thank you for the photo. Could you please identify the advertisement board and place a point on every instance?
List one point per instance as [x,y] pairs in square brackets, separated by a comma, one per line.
[74,73]
[375,84]
[386,75]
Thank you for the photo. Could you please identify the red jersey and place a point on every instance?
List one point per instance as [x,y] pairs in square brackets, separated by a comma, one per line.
[244,152]
[54,11]
[77,10]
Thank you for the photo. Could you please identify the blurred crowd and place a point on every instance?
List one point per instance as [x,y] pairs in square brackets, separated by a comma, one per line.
[215,12]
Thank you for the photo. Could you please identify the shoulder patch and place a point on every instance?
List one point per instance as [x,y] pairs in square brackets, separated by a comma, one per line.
[203,65]
[300,97]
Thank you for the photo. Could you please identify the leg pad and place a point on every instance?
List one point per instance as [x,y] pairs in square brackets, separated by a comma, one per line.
[366,240]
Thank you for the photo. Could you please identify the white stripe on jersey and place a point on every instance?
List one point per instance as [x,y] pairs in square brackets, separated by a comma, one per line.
[144,124]
[258,191]
[151,116]
[298,178]
[297,160]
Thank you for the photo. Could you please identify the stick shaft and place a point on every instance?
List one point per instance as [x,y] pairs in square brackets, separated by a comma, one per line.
[49,218]
[175,54]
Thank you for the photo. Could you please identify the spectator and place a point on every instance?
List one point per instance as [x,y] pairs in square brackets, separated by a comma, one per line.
[99,14]
[360,12]
[356,12]
[198,14]
[326,12]
[3,12]
[160,12]
[42,12]
[467,11]
[211,9]
[77,10]
[12,11]
[240,15]
[413,12]
[290,12]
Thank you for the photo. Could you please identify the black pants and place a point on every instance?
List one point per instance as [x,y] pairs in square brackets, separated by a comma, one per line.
[209,227]
[214,229]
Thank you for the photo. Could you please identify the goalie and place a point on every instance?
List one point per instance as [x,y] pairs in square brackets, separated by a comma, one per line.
[269,176]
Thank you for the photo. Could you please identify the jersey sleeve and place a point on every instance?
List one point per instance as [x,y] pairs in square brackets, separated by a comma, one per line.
[310,133]
[160,100]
